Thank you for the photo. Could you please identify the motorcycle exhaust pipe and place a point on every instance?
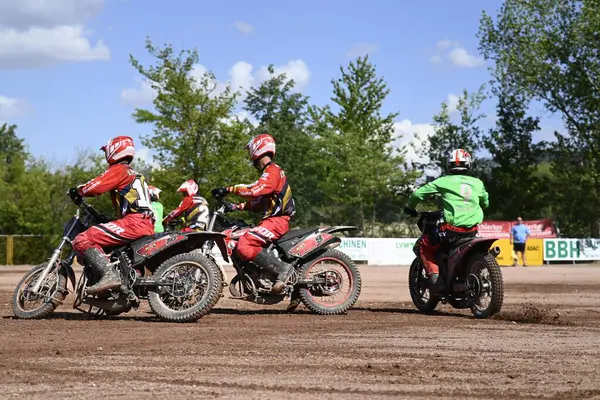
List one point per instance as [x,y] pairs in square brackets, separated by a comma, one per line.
[495,251]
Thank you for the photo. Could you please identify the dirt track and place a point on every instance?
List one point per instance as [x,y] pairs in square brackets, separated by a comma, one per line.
[380,349]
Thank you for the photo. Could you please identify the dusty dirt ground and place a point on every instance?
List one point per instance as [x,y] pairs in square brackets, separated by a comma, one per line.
[544,344]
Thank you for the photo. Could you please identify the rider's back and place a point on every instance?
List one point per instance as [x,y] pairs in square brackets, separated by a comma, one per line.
[464,198]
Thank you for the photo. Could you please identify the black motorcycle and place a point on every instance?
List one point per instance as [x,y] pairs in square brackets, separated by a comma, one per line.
[183,286]
[324,279]
[468,267]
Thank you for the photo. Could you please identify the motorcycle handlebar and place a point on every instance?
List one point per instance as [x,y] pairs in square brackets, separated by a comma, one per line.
[86,208]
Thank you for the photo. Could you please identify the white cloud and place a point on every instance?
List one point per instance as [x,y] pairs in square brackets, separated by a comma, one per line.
[461,58]
[244,27]
[446,44]
[361,49]
[413,137]
[38,33]
[452,102]
[22,14]
[145,94]
[241,78]
[435,59]
[11,108]
[456,54]
[294,69]
[40,47]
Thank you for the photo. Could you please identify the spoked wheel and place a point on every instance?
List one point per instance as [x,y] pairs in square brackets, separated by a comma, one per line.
[486,287]
[192,287]
[30,305]
[419,288]
[342,283]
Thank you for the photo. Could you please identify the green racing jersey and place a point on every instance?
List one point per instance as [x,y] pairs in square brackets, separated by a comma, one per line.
[157,209]
[463,198]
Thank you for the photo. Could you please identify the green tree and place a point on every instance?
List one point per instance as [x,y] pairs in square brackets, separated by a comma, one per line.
[550,51]
[194,134]
[513,183]
[283,114]
[449,135]
[361,167]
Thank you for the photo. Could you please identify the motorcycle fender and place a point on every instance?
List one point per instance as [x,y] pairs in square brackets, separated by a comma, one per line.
[199,238]
[159,245]
[312,243]
[462,252]
[342,228]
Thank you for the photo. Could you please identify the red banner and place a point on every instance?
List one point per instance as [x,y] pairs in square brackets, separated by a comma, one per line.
[541,228]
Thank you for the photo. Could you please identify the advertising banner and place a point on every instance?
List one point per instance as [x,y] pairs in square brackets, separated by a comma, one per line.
[541,228]
[534,252]
[571,249]
[391,251]
[355,248]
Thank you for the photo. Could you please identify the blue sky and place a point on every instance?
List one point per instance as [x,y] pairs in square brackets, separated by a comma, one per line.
[66,81]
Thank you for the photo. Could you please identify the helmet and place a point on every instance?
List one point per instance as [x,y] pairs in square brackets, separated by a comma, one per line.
[118,149]
[154,192]
[260,146]
[459,161]
[190,187]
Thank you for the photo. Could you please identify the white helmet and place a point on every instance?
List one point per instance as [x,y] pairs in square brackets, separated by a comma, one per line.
[459,161]
[154,192]
[190,187]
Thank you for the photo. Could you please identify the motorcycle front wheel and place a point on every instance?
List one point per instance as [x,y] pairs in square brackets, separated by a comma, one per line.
[29,305]
[192,287]
[419,288]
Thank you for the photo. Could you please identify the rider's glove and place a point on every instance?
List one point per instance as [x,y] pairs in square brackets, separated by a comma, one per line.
[230,207]
[411,212]
[219,192]
[73,193]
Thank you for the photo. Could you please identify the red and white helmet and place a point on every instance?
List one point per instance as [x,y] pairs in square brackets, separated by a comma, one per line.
[460,160]
[190,187]
[260,146]
[154,192]
[118,149]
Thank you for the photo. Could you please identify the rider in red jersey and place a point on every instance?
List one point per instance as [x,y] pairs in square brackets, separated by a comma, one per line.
[129,193]
[272,196]
[194,209]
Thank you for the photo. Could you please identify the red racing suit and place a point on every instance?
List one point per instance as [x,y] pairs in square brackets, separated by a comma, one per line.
[194,210]
[129,194]
[272,196]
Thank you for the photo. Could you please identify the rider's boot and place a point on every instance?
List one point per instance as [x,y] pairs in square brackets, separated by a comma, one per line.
[274,265]
[109,279]
[436,284]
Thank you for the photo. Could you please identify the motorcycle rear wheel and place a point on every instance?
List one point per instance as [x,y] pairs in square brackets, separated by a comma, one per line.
[491,282]
[311,296]
[52,293]
[417,285]
[211,293]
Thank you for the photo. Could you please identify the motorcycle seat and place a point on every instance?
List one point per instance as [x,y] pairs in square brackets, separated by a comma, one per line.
[294,233]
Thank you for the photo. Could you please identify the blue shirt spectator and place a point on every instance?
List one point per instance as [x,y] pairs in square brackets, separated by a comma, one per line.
[520,233]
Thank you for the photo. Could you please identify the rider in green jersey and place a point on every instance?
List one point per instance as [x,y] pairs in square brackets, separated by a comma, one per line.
[463,197]
[157,208]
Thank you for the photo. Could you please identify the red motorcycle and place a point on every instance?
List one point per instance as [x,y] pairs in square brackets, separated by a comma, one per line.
[469,271]
[325,280]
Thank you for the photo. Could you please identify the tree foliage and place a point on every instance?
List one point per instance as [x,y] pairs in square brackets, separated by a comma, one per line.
[361,165]
[550,51]
[194,134]
[512,181]
[449,135]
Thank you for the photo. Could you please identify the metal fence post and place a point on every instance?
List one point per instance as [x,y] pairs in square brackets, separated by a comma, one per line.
[9,250]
